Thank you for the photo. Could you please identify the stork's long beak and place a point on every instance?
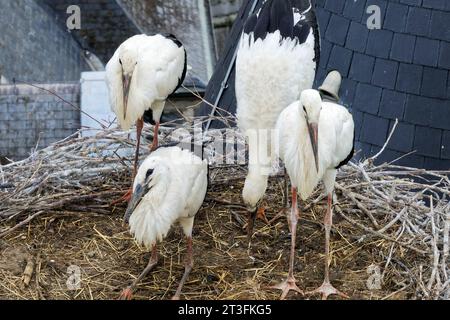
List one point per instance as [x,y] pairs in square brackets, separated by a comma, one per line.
[138,193]
[126,81]
[313,135]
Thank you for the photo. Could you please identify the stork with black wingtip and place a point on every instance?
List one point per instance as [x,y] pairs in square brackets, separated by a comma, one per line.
[315,140]
[143,72]
[276,60]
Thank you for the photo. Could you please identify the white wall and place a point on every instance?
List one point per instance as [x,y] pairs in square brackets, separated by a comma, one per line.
[94,101]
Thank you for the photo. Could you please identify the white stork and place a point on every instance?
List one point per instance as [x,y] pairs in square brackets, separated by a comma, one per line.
[277,59]
[140,76]
[315,139]
[170,187]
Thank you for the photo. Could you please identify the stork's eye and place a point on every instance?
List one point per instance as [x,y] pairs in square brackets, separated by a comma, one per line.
[304,109]
[120,61]
[148,174]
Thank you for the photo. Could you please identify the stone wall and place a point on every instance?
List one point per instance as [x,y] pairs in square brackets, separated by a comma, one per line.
[31,117]
[184,18]
[34,46]
[223,13]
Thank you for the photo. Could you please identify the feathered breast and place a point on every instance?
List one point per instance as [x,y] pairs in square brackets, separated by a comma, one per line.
[177,191]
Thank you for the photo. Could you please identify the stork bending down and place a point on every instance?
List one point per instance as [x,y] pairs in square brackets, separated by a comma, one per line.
[315,139]
[140,76]
[277,59]
[170,187]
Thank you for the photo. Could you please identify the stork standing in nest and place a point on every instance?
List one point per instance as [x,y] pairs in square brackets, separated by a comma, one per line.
[143,72]
[170,187]
[277,59]
[315,140]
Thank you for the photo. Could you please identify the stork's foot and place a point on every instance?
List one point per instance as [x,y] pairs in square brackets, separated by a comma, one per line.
[127,294]
[286,286]
[261,214]
[326,289]
[124,199]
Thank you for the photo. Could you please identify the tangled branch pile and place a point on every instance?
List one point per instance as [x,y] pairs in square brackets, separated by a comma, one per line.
[405,210]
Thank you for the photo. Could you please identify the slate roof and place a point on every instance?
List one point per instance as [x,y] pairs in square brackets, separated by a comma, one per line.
[401,71]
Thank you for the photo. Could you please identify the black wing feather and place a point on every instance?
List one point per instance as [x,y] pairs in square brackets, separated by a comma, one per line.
[281,18]
[263,21]
[250,25]
[349,157]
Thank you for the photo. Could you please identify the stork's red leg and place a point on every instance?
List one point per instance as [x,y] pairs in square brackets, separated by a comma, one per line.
[127,293]
[283,212]
[155,137]
[189,263]
[326,289]
[127,196]
[290,283]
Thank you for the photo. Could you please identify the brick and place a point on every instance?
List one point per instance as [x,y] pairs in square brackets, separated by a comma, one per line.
[337,30]
[436,164]
[440,25]
[385,73]
[445,148]
[392,104]
[387,156]
[355,9]
[403,47]
[418,21]
[367,98]
[336,6]
[427,141]
[426,52]
[448,86]
[374,130]
[409,78]
[444,55]
[347,92]
[365,149]
[412,160]
[358,119]
[434,83]
[325,50]
[440,114]
[434,4]
[396,15]
[362,68]
[402,138]
[379,43]
[357,37]
[340,60]
[412,2]
[323,17]
[418,110]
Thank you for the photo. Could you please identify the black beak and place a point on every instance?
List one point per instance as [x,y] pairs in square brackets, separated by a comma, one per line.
[138,193]
[313,136]
[126,81]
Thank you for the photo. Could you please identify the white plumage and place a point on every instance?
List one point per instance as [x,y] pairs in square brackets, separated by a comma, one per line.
[276,60]
[315,139]
[155,65]
[170,187]
[335,142]
[177,188]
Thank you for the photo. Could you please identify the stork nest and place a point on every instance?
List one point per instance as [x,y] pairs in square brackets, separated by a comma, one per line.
[390,237]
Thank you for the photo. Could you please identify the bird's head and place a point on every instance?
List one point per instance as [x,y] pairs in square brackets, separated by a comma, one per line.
[128,62]
[311,103]
[147,177]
